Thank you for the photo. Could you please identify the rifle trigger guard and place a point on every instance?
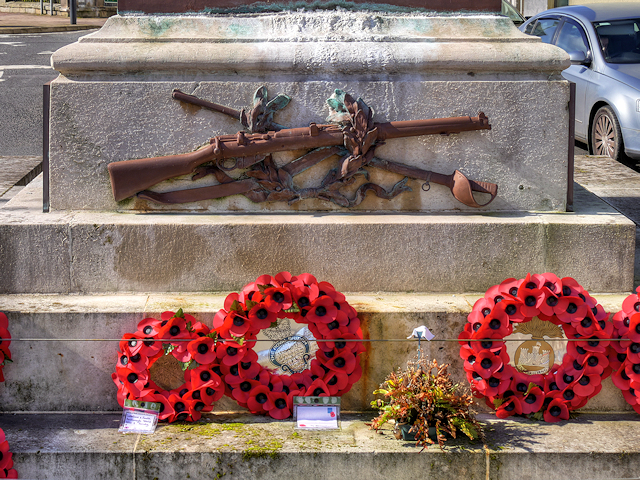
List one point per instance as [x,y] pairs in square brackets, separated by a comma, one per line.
[426,186]
[222,166]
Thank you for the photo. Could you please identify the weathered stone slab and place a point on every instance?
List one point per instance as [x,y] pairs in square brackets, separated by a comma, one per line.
[242,446]
[67,369]
[357,252]
[406,67]
[147,122]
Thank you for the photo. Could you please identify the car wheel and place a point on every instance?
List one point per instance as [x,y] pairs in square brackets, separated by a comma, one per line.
[606,136]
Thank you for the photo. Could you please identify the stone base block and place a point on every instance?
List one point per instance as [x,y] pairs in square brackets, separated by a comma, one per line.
[231,446]
[63,374]
[101,252]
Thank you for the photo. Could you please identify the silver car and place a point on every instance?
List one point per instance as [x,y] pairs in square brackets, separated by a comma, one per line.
[603,43]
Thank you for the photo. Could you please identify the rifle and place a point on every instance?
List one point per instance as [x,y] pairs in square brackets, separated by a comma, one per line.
[133,177]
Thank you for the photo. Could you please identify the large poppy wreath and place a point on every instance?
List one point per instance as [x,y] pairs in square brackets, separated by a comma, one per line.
[6,460]
[625,355]
[192,344]
[565,386]
[260,305]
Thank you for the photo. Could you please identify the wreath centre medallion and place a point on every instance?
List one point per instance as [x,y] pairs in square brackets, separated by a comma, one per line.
[536,355]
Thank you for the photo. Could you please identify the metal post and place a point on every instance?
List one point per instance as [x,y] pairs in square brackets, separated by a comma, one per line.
[572,143]
[41,7]
[73,11]
[51,7]
[46,103]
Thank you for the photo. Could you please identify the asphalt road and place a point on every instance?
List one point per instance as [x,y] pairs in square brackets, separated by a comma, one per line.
[24,67]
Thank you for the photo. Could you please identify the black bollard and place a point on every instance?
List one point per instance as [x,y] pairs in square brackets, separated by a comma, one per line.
[73,11]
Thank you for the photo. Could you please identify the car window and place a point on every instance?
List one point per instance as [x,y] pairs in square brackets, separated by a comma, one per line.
[545,28]
[572,39]
[619,40]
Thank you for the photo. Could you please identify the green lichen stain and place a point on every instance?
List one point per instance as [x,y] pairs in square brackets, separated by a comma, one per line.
[156,26]
[270,449]
[238,30]
[206,429]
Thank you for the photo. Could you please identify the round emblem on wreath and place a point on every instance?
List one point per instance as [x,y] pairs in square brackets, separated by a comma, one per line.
[538,384]
[271,305]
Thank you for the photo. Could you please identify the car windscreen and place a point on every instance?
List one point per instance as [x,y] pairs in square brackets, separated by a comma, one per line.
[619,40]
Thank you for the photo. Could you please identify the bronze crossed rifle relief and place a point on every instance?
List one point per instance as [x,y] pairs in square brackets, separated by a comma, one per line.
[351,137]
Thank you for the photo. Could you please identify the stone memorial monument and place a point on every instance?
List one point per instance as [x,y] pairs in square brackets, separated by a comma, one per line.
[377,225]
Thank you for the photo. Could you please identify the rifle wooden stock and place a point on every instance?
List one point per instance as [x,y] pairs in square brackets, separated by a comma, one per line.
[132,176]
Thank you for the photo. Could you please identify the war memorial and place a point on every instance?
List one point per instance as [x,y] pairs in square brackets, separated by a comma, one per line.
[410,160]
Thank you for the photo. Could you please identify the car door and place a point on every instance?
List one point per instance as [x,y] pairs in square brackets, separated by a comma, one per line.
[571,37]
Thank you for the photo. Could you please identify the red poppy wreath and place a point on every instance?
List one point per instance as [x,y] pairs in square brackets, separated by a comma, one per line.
[547,390]
[192,344]
[625,355]
[260,306]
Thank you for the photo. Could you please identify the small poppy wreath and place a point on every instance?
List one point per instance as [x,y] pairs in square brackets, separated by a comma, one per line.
[510,307]
[192,344]
[260,305]
[624,355]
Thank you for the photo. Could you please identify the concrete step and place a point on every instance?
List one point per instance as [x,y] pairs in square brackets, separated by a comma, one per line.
[63,252]
[248,447]
[61,374]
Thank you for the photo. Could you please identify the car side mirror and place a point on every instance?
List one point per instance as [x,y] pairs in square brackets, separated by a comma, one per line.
[580,58]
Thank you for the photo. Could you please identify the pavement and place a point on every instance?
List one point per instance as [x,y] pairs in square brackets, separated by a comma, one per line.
[15,23]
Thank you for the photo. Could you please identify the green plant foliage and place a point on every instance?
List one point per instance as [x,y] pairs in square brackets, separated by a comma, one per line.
[423,395]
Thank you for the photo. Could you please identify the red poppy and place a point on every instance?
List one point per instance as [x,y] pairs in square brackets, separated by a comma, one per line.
[495,325]
[633,332]
[621,380]
[199,401]
[569,308]
[339,324]
[202,350]
[322,310]
[283,278]
[261,318]
[630,397]
[203,376]
[512,405]
[585,385]
[593,343]
[532,299]
[595,364]
[633,352]
[134,382]
[484,306]
[181,408]
[176,329]
[513,308]
[571,288]
[276,299]
[166,409]
[149,326]
[242,391]
[344,361]
[231,374]
[249,366]
[281,406]
[492,386]
[136,363]
[230,352]
[547,307]
[260,399]
[631,304]
[492,345]
[533,401]
[520,381]
[621,322]
[556,410]
[132,342]
[336,381]
[318,389]
[487,364]
[5,456]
